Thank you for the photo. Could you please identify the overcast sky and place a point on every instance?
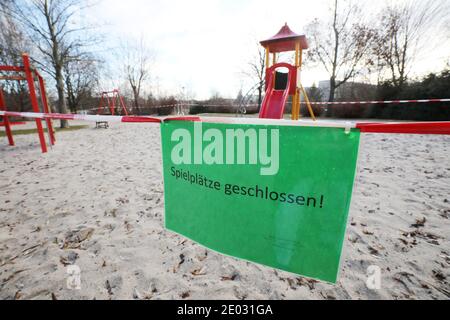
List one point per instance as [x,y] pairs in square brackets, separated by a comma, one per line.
[204,45]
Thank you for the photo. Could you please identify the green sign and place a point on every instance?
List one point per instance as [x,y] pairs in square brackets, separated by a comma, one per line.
[278,195]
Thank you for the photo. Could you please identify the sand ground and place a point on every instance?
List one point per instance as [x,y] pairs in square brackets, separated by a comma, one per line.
[96,201]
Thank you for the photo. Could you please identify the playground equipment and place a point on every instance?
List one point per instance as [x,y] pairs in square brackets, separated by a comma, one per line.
[14,123]
[280,86]
[110,101]
[30,75]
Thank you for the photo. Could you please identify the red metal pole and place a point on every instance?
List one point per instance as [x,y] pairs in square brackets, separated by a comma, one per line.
[124,107]
[6,120]
[109,104]
[46,108]
[100,105]
[113,102]
[34,100]
[11,68]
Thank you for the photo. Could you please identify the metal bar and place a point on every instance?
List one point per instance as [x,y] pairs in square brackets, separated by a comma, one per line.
[11,68]
[13,78]
[442,127]
[6,119]
[46,108]
[124,107]
[100,105]
[34,100]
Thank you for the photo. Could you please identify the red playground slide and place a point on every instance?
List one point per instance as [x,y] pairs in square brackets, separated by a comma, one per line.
[275,100]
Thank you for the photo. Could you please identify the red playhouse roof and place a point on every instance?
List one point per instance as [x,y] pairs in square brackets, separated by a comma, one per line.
[285,40]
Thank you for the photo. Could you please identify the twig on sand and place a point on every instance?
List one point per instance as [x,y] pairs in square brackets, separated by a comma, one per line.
[12,276]
[25,252]
[441,290]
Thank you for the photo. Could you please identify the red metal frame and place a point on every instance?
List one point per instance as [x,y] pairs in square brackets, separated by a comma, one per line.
[46,107]
[432,127]
[111,98]
[270,75]
[30,75]
[270,90]
[13,123]
[6,120]
[34,100]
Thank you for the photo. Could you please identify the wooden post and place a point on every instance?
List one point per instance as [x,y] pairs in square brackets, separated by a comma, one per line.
[296,99]
[311,112]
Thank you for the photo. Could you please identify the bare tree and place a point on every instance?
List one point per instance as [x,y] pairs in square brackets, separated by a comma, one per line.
[402,31]
[52,28]
[81,79]
[13,43]
[314,93]
[137,60]
[340,44]
[256,71]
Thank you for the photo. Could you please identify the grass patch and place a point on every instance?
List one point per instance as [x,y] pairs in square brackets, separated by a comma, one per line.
[34,131]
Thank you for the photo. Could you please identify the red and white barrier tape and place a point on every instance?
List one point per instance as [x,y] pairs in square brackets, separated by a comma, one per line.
[83,117]
[384,102]
[312,103]
[442,127]
[373,102]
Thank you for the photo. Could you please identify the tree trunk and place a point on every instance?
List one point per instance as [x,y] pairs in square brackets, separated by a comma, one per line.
[259,97]
[331,96]
[62,108]
[136,102]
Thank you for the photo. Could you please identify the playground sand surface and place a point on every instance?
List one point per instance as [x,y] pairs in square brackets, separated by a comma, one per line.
[96,200]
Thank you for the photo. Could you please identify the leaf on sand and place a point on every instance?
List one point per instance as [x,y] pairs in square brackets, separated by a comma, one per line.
[199,272]
[308,282]
[38,229]
[419,223]
[74,238]
[202,257]
[175,268]
[439,275]
[108,287]
[69,259]
[233,277]
[17,295]
[373,251]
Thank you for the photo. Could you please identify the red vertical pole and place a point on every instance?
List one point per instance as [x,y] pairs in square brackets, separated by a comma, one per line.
[46,108]
[123,104]
[6,120]
[110,104]
[100,104]
[113,102]
[33,99]
[107,101]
